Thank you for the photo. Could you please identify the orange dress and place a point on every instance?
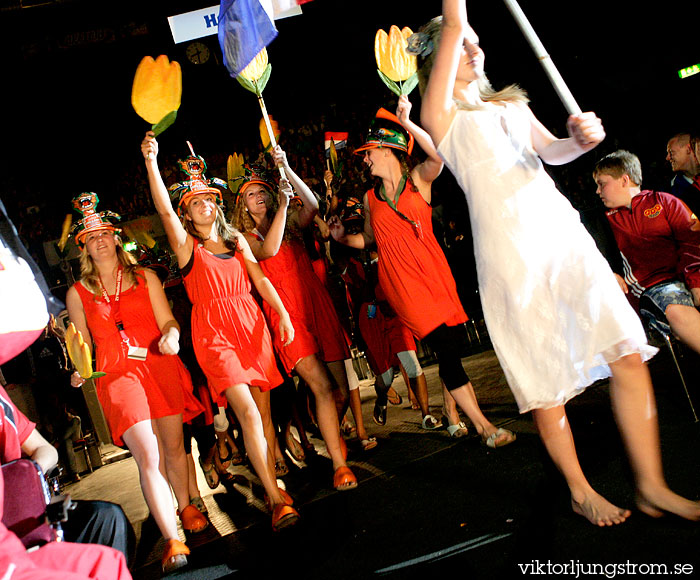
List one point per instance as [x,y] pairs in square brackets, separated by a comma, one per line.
[231,340]
[413,270]
[135,390]
[317,329]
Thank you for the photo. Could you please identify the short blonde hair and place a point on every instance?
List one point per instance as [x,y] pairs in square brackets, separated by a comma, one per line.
[512,93]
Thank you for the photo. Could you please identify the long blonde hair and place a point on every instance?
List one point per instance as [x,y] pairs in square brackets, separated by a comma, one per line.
[242,220]
[510,94]
[225,231]
[90,277]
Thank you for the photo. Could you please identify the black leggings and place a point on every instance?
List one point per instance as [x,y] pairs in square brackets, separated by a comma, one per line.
[447,343]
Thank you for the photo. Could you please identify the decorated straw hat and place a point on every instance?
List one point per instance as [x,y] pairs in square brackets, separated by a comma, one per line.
[92,221]
[253,174]
[385,130]
[197,184]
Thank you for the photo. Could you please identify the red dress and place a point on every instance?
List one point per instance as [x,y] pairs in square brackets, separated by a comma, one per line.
[317,329]
[413,270]
[229,334]
[384,333]
[135,390]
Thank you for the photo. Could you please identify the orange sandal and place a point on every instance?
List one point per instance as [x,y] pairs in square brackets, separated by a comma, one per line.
[174,556]
[344,479]
[192,519]
[283,516]
[287,499]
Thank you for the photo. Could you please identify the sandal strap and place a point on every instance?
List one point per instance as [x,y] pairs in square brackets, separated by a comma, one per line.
[173,549]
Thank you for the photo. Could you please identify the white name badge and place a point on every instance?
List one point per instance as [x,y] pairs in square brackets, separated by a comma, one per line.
[137,352]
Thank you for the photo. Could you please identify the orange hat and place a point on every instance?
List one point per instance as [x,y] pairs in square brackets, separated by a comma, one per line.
[194,166]
[85,204]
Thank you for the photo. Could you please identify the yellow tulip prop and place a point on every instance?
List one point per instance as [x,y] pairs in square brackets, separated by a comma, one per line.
[254,78]
[265,136]
[65,232]
[79,353]
[157,91]
[333,158]
[235,170]
[395,66]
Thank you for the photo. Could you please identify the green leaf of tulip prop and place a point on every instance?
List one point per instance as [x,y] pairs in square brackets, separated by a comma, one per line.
[157,92]
[395,66]
[79,353]
[254,77]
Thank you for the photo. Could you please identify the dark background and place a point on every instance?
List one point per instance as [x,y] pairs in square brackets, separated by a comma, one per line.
[68,68]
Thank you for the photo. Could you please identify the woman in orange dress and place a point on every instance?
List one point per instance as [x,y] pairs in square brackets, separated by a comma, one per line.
[275,239]
[230,337]
[121,309]
[413,271]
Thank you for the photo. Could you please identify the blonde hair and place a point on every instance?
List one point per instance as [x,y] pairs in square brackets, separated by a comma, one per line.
[510,94]
[242,221]
[90,277]
[619,163]
[225,231]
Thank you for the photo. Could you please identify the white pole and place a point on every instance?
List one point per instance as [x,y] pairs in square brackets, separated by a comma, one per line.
[545,60]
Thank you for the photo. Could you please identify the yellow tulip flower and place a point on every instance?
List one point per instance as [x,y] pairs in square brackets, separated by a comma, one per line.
[157,88]
[234,166]
[256,67]
[390,53]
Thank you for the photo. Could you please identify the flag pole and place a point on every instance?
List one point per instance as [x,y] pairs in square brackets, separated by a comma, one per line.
[565,95]
[268,126]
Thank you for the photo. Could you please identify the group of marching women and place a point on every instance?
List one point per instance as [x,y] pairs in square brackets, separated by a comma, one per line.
[529,281]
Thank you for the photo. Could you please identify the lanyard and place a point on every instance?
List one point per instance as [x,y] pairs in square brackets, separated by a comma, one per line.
[394,206]
[116,306]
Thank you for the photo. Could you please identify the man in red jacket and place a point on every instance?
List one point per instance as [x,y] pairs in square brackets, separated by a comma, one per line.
[659,238]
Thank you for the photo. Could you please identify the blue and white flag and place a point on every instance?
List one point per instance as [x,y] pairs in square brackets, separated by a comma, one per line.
[245,28]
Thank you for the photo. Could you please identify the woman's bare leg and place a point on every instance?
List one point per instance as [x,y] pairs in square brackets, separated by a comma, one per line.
[634,406]
[555,432]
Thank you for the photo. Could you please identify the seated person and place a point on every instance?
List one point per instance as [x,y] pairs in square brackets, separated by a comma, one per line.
[63,560]
[91,522]
[659,239]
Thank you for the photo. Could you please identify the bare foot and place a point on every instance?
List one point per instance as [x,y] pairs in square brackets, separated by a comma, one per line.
[655,504]
[599,511]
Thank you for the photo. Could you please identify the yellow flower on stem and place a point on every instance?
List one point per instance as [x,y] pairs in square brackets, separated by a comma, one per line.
[394,64]
[79,353]
[157,91]
[254,77]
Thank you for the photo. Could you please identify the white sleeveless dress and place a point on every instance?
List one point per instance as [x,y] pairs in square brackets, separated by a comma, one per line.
[553,308]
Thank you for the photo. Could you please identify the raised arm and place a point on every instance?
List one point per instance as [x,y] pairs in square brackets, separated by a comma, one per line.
[309,202]
[179,241]
[267,248]
[438,109]
[357,241]
[427,171]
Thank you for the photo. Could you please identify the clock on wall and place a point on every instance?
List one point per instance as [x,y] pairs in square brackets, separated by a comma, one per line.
[197,52]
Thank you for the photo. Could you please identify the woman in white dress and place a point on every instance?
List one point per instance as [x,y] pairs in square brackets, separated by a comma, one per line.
[557,318]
